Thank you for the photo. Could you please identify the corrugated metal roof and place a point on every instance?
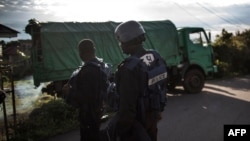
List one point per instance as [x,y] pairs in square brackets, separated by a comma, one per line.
[7,31]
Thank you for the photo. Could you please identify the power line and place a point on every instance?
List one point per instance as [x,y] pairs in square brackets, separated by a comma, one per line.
[234,18]
[192,15]
[212,12]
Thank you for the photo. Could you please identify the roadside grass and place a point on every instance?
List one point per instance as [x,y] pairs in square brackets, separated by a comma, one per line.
[50,117]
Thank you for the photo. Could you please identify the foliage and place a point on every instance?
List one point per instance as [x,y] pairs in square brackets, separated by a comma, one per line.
[232,53]
[32,23]
[52,118]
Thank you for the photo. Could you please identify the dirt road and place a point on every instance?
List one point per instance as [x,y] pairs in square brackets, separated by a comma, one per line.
[201,117]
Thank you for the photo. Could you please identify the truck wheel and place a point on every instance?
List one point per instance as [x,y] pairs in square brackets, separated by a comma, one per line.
[194,81]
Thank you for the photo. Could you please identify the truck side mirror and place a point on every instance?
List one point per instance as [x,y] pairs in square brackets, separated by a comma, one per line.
[209,37]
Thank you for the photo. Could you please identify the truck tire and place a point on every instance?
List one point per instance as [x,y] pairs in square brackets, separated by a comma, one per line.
[194,81]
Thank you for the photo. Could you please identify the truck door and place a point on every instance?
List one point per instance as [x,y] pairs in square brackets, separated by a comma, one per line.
[199,50]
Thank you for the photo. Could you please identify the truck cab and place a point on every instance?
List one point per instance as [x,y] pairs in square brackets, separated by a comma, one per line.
[198,58]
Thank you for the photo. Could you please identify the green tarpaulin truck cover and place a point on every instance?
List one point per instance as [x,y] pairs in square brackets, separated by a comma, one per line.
[57,55]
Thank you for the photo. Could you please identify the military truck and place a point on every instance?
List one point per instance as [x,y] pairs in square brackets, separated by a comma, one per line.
[186,50]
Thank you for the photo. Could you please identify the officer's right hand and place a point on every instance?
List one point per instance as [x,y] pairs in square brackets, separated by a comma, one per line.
[66,89]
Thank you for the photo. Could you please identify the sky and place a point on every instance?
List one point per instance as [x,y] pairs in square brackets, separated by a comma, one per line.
[213,15]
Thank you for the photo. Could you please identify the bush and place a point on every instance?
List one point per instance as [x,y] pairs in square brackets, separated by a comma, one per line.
[232,51]
[223,68]
[52,118]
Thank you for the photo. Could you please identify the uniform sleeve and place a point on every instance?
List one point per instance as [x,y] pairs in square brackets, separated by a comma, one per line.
[129,91]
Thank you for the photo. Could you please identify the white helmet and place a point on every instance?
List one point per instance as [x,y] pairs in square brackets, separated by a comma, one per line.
[128,30]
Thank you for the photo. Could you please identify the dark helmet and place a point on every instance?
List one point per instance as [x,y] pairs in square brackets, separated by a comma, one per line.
[127,31]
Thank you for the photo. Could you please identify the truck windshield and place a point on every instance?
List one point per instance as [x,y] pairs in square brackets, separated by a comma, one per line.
[198,38]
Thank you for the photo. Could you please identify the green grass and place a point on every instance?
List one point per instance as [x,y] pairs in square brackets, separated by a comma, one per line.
[51,118]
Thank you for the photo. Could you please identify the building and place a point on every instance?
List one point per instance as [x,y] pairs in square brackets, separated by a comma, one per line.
[6,32]
[16,54]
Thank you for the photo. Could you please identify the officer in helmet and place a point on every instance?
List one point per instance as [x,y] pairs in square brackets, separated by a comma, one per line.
[130,36]
[130,126]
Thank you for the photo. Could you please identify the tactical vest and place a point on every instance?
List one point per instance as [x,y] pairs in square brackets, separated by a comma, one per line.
[153,81]
[105,72]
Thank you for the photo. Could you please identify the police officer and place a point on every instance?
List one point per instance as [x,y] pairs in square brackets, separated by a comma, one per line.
[130,126]
[88,96]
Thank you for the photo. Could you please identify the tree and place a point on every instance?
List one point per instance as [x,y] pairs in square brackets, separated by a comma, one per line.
[233,52]
[33,26]
[224,39]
